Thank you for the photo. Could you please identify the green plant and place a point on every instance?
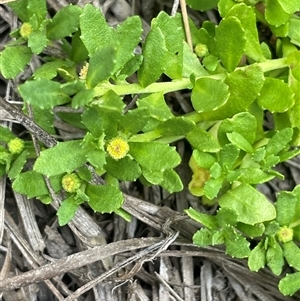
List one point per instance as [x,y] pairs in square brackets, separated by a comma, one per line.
[234,81]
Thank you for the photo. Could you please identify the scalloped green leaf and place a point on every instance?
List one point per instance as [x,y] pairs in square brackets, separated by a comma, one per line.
[275,14]
[37,7]
[206,220]
[250,175]
[236,245]
[290,6]
[104,198]
[240,142]
[17,166]
[251,206]
[279,141]
[286,208]
[203,159]
[64,23]
[291,253]
[64,157]
[224,6]
[49,70]
[171,27]
[209,94]
[257,257]
[191,64]
[101,66]
[251,231]
[124,169]
[126,37]
[171,181]
[98,35]
[203,237]
[228,156]
[37,40]
[156,105]
[226,217]
[212,187]
[275,259]
[97,158]
[294,33]
[230,42]
[154,156]
[5,134]
[272,93]
[32,184]
[246,15]
[20,9]
[153,177]
[244,86]
[131,66]
[202,5]
[90,118]
[241,123]
[67,210]
[43,93]
[135,120]
[83,98]
[176,126]
[13,60]
[290,284]
[154,61]
[203,140]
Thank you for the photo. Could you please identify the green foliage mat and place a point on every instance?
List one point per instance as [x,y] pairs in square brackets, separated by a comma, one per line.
[234,80]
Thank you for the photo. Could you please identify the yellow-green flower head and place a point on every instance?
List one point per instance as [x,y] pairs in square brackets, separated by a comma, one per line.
[83,72]
[117,148]
[16,146]
[201,50]
[25,30]
[285,234]
[71,182]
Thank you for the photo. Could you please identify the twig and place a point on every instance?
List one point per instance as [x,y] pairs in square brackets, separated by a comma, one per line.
[159,246]
[29,124]
[176,296]
[174,7]
[75,261]
[186,23]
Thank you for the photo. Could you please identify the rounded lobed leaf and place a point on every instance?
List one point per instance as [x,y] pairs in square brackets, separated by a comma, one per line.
[230,42]
[276,96]
[290,284]
[209,94]
[154,52]
[43,93]
[250,206]
[154,156]
[66,210]
[64,157]
[64,23]
[104,198]
[13,59]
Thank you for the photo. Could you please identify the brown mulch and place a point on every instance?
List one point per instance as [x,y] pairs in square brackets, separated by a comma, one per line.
[103,257]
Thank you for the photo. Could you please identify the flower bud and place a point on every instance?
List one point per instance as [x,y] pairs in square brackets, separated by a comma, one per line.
[201,50]
[117,148]
[25,30]
[16,146]
[285,234]
[71,182]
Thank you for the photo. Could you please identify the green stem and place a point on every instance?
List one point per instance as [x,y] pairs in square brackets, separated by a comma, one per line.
[126,89]
[295,224]
[176,85]
[270,65]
